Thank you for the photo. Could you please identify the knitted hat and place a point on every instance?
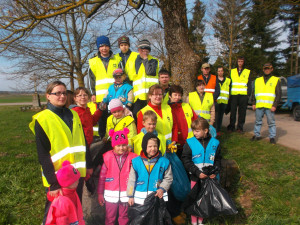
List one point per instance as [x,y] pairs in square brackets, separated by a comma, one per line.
[144,44]
[102,40]
[114,105]
[123,39]
[118,72]
[119,137]
[145,140]
[67,175]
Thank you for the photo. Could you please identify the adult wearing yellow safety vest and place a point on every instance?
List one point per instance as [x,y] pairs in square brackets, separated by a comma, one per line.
[146,75]
[59,137]
[127,56]
[101,71]
[202,102]
[164,81]
[223,98]
[266,96]
[164,123]
[239,92]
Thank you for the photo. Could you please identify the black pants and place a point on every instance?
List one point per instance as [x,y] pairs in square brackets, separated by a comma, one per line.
[220,109]
[238,103]
[138,105]
[48,203]
[102,123]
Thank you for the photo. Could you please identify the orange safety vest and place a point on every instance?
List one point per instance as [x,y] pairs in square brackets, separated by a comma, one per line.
[211,85]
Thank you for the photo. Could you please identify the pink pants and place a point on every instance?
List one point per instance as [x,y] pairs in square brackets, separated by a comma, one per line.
[195,219]
[112,210]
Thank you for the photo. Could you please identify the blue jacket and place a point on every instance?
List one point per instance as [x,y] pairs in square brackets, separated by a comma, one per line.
[148,182]
[118,92]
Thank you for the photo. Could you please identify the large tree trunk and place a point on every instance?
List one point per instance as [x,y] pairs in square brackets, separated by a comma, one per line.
[184,62]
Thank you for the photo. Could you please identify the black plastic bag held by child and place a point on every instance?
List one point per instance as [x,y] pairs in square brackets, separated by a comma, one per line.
[153,212]
[212,200]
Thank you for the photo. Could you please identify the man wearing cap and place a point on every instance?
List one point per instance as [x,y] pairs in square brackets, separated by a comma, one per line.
[239,92]
[266,96]
[101,75]
[127,56]
[146,75]
[210,80]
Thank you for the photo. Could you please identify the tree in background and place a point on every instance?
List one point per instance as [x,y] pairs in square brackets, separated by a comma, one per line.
[229,24]
[196,31]
[261,44]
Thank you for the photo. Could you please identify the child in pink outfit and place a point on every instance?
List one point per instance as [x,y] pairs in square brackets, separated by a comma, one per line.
[114,177]
[66,209]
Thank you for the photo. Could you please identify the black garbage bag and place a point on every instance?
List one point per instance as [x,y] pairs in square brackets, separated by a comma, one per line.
[208,199]
[153,212]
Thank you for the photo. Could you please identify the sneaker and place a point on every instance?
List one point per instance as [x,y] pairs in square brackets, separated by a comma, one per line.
[272,141]
[179,220]
[240,131]
[255,138]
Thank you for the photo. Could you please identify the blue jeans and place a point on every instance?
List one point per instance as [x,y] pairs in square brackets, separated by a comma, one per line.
[259,114]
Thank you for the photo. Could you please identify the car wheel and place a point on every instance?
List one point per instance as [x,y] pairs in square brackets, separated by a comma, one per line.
[296,113]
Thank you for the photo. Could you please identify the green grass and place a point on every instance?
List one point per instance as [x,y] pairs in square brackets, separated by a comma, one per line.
[267,194]
[13,98]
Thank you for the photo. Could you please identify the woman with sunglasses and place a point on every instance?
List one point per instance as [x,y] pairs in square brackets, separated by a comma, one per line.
[59,137]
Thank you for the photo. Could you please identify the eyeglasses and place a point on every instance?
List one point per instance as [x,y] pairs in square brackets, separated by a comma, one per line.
[82,96]
[267,68]
[59,93]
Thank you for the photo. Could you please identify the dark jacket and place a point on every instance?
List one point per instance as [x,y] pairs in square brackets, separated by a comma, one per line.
[189,165]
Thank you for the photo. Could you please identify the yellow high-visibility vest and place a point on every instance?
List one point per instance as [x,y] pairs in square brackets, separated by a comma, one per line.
[224,92]
[93,109]
[124,122]
[188,113]
[239,83]
[165,99]
[201,108]
[141,82]
[265,92]
[64,144]
[104,77]
[164,125]
[130,65]
[137,143]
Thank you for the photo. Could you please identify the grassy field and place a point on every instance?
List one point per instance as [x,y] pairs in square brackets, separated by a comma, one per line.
[267,194]
[13,98]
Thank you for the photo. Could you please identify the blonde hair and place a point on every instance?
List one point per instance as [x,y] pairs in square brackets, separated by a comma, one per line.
[200,124]
[53,84]
[150,115]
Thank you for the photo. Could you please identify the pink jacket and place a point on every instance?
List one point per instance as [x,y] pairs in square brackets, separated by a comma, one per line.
[117,174]
[66,209]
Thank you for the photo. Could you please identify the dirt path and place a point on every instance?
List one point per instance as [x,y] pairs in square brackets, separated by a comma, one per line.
[288,130]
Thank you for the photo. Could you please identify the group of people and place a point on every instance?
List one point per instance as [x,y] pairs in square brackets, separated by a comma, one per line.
[139,116]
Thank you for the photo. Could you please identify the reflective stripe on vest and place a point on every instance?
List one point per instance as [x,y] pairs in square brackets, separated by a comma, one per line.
[103,76]
[142,82]
[64,144]
[224,92]
[201,108]
[211,85]
[140,196]
[115,196]
[265,92]
[239,82]
[164,125]
[188,113]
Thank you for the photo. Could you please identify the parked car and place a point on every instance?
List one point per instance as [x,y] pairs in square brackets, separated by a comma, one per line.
[293,96]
